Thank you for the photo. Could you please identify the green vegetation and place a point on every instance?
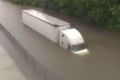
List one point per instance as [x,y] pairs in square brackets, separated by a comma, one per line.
[101,12]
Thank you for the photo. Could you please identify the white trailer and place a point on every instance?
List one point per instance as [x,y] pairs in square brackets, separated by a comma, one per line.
[56,30]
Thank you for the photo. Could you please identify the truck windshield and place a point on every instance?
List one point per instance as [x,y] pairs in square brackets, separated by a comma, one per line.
[78,47]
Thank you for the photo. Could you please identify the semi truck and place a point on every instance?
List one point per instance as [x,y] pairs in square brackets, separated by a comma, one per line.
[56,30]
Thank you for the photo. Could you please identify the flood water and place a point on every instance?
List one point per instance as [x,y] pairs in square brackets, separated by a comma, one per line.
[103,62]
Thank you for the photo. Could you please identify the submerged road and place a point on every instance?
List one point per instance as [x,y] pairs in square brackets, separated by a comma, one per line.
[103,62]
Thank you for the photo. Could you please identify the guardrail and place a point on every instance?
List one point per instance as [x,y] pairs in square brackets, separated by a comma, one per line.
[41,69]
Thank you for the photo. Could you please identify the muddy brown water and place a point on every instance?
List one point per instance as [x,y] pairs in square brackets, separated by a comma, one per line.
[103,62]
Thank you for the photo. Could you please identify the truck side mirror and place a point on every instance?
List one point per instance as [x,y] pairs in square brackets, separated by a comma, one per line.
[69,47]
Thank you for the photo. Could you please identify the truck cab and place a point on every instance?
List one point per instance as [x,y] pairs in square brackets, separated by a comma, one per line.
[72,40]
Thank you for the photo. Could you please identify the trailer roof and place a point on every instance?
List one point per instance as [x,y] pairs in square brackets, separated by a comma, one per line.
[46,18]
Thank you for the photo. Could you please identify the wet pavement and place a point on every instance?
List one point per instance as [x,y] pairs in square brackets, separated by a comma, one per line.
[103,62]
[14,65]
[8,68]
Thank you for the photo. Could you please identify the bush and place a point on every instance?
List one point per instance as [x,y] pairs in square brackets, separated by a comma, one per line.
[38,3]
[102,12]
